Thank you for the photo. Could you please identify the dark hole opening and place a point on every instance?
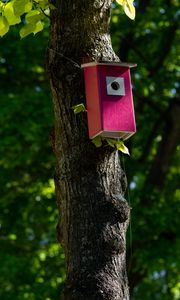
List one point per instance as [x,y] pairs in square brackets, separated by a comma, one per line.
[115,85]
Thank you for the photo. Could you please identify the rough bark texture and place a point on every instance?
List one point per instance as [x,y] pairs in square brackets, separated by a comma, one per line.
[90,183]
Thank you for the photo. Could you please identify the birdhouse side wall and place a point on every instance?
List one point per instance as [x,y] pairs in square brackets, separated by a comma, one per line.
[92,90]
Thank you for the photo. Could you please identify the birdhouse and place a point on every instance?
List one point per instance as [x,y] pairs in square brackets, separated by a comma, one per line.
[109,100]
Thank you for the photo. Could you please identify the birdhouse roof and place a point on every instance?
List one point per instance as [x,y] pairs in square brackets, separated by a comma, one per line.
[120,64]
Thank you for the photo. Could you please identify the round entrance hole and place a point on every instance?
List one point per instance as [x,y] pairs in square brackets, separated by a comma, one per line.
[115,85]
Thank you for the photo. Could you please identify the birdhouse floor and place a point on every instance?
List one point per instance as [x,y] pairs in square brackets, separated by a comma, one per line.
[124,135]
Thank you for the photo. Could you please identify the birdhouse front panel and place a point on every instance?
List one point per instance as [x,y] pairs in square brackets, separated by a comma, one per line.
[109,100]
[116,101]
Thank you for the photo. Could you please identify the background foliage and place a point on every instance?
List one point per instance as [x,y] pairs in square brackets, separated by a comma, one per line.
[31,261]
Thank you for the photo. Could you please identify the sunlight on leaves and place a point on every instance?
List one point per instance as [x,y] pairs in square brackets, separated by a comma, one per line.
[33,16]
[79,108]
[36,11]
[48,190]
[14,11]
[4,26]
[10,14]
[31,28]
[114,143]
[22,6]
[118,144]
[176,291]
[121,147]
[12,237]
[39,27]
[128,8]
[26,30]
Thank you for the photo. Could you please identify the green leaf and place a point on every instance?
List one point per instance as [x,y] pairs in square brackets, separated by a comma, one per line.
[22,6]
[128,7]
[31,28]
[43,4]
[111,142]
[27,29]
[1,6]
[33,16]
[79,108]
[97,141]
[4,26]
[121,147]
[39,27]
[10,14]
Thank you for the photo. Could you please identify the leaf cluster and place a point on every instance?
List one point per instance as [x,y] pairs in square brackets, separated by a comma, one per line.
[30,13]
[114,143]
[32,262]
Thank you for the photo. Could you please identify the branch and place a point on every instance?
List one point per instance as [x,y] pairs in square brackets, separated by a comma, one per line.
[147,100]
[166,148]
[166,48]
[150,140]
[44,13]
[36,3]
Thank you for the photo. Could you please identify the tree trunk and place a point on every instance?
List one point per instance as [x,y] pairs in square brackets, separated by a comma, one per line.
[90,183]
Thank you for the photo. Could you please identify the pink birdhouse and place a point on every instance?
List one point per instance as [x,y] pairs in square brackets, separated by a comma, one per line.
[109,100]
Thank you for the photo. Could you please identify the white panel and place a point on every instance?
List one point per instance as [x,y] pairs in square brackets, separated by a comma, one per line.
[115,86]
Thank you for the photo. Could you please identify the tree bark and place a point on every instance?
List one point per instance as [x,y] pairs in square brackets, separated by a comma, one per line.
[90,183]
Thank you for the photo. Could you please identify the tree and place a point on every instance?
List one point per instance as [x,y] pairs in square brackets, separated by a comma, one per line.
[90,183]
[27,223]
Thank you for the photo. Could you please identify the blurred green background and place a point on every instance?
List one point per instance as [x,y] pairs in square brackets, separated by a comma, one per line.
[31,261]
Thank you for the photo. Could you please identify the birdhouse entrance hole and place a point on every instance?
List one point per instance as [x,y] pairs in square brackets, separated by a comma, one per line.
[115,85]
